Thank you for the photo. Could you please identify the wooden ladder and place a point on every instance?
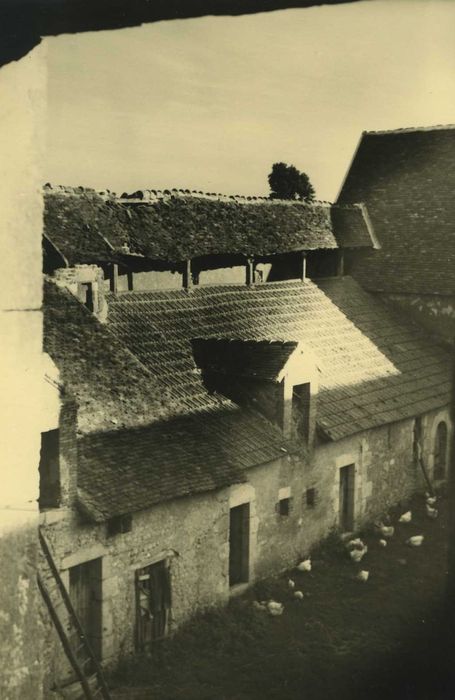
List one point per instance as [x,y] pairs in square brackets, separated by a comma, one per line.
[94,685]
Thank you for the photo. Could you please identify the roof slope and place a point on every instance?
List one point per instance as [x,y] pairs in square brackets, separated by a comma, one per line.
[129,470]
[86,227]
[112,388]
[407,180]
[376,369]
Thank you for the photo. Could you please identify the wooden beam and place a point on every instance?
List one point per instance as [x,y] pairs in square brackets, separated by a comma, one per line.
[113,278]
[340,263]
[303,268]
[187,280]
[249,272]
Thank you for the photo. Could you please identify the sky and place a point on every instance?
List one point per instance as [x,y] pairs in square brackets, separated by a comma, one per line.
[211,103]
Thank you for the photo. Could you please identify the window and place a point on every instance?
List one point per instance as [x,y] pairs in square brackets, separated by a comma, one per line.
[49,470]
[440,452]
[119,524]
[346,498]
[301,411]
[284,506]
[310,498]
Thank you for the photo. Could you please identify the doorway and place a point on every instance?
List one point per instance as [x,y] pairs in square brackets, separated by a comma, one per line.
[239,544]
[85,590]
[153,603]
[346,501]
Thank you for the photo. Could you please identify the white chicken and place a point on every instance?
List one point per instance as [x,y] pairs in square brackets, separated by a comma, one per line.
[415,541]
[383,543]
[357,555]
[275,608]
[406,517]
[304,565]
[291,583]
[260,606]
[385,530]
[298,595]
[431,500]
[432,512]
[363,576]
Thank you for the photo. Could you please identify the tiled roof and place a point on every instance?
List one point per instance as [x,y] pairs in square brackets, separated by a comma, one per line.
[112,388]
[262,359]
[141,441]
[375,368]
[88,227]
[407,180]
[129,470]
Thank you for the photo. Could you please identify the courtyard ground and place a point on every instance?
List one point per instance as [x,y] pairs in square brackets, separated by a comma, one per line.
[386,638]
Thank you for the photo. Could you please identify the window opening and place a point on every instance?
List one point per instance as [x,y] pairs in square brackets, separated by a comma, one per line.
[346,502]
[310,498]
[301,411]
[119,524]
[49,470]
[239,544]
[440,451]
[284,506]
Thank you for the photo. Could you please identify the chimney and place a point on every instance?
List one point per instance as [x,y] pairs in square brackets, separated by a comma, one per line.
[86,282]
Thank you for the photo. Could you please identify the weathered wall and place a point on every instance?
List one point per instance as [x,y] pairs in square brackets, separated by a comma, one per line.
[434,312]
[385,469]
[28,403]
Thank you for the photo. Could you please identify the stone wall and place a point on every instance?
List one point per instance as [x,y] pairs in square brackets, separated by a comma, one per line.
[385,469]
[434,312]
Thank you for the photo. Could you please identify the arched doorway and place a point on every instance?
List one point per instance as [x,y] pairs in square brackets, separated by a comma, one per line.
[440,452]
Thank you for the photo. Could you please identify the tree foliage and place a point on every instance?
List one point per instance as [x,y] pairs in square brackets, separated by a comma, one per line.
[286,182]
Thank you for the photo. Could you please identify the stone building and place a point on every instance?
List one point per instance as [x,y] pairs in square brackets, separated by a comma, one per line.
[212,433]
[406,179]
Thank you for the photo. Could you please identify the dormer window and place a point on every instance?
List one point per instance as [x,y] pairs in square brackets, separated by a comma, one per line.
[86,295]
[301,411]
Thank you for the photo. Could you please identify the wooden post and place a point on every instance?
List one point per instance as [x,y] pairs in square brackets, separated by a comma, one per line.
[129,275]
[303,269]
[187,280]
[340,263]
[113,278]
[249,272]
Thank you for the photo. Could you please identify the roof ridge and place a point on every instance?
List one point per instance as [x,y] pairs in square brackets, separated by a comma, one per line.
[152,195]
[409,129]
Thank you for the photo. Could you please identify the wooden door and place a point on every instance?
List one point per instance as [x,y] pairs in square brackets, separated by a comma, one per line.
[239,544]
[153,603]
[346,504]
[86,596]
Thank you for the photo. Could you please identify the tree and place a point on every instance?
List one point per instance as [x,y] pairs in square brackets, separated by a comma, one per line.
[286,182]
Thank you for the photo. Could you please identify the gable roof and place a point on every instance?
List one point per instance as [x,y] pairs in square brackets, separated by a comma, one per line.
[87,227]
[261,359]
[376,369]
[407,180]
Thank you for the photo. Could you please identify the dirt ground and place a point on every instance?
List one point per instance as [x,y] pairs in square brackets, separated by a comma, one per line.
[386,638]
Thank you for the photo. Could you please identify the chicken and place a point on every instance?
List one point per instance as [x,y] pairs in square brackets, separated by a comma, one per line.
[304,565]
[275,608]
[355,544]
[406,517]
[386,531]
[298,595]
[363,576]
[357,554]
[415,541]
[383,543]
[431,500]
[260,606]
[291,583]
[432,512]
